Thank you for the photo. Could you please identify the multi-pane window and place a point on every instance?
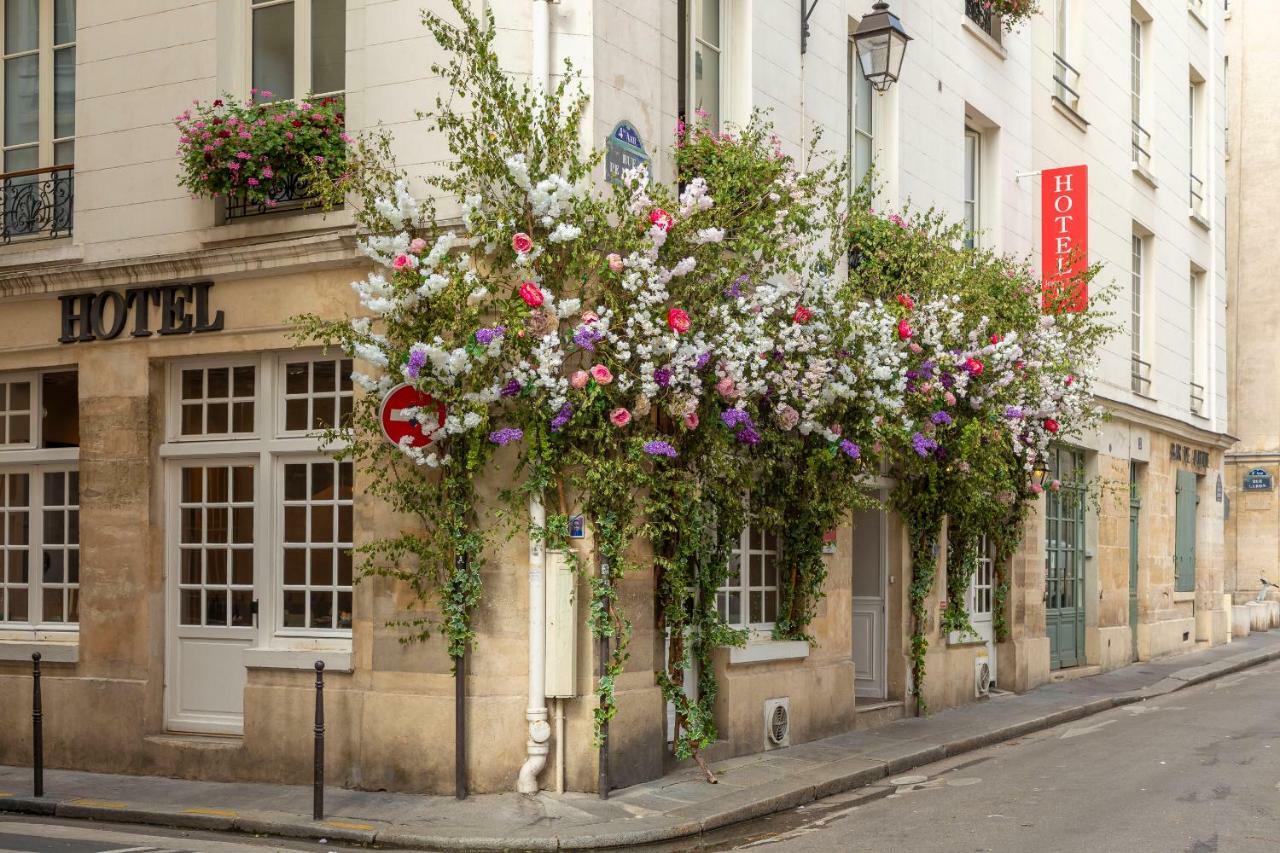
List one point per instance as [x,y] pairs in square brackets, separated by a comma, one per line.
[861,119]
[707,26]
[217,401]
[317,541]
[1066,79]
[749,597]
[215,545]
[1195,147]
[1197,336]
[982,588]
[39,83]
[1141,136]
[39,501]
[1140,370]
[972,184]
[298,47]
[317,394]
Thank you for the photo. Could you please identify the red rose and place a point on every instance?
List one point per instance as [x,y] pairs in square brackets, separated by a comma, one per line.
[678,320]
[802,315]
[906,301]
[1050,425]
[531,294]
[522,243]
[1069,381]
[217,102]
[995,339]
[296,123]
[974,366]
[661,218]
[904,330]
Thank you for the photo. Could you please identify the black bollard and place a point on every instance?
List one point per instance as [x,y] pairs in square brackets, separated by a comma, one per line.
[37,727]
[317,808]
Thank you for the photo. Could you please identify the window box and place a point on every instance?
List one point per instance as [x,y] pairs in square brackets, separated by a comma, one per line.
[766,650]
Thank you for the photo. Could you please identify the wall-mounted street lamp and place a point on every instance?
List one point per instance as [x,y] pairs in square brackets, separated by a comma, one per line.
[881,42]
[1040,471]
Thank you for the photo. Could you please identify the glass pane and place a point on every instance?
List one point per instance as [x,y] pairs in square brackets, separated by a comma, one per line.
[192,419]
[344,524]
[215,567]
[243,381]
[18,490]
[64,92]
[322,481]
[190,561]
[53,567]
[346,409]
[242,608]
[55,490]
[19,532]
[295,378]
[345,374]
[295,609]
[344,568]
[322,523]
[295,566]
[192,384]
[190,607]
[323,375]
[295,524]
[20,397]
[21,99]
[18,605]
[219,488]
[242,525]
[60,418]
[295,482]
[322,413]
[215,607]
[64,152]
[735,609]
[707,83]
[19,429]
[345,475]
[321,567]
[328,45]
[273,50]
[756,570]
[64,21]
[242,567]
[242,417]
[53,606]
[55,530]
[191,525]
[322,610]
[344,610]
[21,25]
[219,379]
[242,484]
[216,524]
[21,158]
[757,607]
[709,21]
[295,414]
[217,415]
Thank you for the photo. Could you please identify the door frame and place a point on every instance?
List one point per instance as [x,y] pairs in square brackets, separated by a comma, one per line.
[879,689]
[1074,491]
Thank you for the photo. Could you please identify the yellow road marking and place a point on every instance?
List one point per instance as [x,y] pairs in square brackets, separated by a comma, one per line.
[338,824]
[215,812]
[102,804]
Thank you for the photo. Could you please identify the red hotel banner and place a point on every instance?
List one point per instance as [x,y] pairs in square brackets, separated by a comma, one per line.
[1064,217]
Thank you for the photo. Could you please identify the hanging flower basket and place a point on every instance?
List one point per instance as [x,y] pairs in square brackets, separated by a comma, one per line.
[257,155]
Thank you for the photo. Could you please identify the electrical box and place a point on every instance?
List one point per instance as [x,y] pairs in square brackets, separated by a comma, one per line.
[562,626]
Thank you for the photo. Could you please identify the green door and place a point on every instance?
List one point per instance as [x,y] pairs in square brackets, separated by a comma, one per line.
[1135,504]
[1184,535]
[1064,559]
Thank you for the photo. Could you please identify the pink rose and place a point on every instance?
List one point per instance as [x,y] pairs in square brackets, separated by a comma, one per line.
[726,388]
[973,366]
[950,398]
[691,420]
[522,243]
[579,379]
[601,374]
[661,218]
[678,320]
[916,348]
[416,245]
[589,317]
[620,417]
[402,262]
[1036,488]
[531,294]
[904,330]
[615,262]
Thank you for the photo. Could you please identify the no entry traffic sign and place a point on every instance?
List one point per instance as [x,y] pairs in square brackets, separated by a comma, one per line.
[396,420]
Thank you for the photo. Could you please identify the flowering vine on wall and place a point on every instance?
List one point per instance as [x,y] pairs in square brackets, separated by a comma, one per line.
[675,363]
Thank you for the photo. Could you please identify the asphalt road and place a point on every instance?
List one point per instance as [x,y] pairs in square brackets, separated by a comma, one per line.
[1198,770]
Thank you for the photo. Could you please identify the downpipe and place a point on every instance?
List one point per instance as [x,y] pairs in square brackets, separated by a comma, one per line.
[536,712]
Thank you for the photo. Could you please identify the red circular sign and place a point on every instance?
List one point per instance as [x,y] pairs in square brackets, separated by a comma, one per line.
[396,423]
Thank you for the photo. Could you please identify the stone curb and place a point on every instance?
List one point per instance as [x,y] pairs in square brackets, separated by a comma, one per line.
[733,808]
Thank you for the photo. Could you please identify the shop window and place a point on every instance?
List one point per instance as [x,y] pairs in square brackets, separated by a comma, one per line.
[298,47]
[749,598]
[39,500]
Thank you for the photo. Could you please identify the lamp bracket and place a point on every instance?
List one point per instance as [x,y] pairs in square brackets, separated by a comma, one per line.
[806,11]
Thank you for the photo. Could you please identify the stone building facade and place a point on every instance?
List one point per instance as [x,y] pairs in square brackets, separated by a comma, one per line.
[176,544]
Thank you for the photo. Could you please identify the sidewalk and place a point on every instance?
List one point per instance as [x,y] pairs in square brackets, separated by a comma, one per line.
[678,805]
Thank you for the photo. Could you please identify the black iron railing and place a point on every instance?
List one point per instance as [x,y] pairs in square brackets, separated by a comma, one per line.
[1141,146]
[291,193]
[1066,82]
[987,20]
[37,203]
[1140,375]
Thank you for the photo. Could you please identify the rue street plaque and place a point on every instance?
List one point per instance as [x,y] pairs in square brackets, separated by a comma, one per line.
[1257,480]
[623,150]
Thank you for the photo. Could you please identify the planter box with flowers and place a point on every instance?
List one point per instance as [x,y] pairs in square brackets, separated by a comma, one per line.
[257,156]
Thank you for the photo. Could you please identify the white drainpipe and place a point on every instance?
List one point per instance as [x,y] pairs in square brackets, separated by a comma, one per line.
[536,712]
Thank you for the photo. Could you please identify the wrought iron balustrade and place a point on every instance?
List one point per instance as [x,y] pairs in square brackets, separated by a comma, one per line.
[291,193]
[1066,82]
[1141,146]
[1140,374]
[37,203]
[987,20]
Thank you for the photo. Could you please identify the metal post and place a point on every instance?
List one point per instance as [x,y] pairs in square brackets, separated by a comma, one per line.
[460,726]
[317,808]
[602,782]
[37,727]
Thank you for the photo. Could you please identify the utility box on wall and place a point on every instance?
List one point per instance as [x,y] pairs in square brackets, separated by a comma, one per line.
[562,626]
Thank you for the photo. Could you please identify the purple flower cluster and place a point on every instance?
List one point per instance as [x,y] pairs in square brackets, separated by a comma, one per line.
[506,435]
[702,361]
[1013,413]
[417,360]
[511,389]
[562,417]
[740,420]
[484,337]
[662,376]
[848,448]
[948,381]
[587,337]
[941,418]
[923,445]
[660,448]
[734,291]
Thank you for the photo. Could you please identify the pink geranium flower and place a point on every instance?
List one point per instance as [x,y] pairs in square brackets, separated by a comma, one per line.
[522,243]
[620,417]
[601,374]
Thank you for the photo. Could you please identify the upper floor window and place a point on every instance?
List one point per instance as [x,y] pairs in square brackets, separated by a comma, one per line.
[1066,79]
[298,47]
[1137,80]
[861,119]
[749,597]
[1140,368]
[972,185]
[1199,356]
[1195,149]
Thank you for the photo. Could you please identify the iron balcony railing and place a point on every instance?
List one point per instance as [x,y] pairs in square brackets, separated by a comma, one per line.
[290,194]
[1141,146]
[1197,195]
[1197,399]
[37,203]
[1140,373]
[987,20]
[1066,82]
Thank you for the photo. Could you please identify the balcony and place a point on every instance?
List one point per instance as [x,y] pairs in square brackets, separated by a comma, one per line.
[987,21]
[1140,376]
[1197,399]
[1141,147]
[289,196]
[37,203]
[1066,83]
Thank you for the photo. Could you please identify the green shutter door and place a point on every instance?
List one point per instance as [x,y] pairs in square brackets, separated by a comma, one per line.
[1184,537]
[1135,504]
[1064,559]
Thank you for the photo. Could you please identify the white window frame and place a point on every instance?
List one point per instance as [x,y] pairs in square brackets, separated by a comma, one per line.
[1198,337]
[743,586]
[1138,40]
[972,205]
[269,447]
[1139,296]
[34,461]
[33,414]
[1196,114]
[859,86]
[302,10]
[337,395]
[45,49]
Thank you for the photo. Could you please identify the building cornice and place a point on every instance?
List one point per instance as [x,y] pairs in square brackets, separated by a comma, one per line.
[1166,424]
